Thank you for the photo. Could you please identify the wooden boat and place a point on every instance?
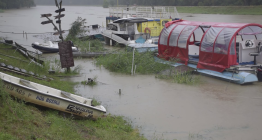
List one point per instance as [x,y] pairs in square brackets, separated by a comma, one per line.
[231,51]
[51,98]
[49,48]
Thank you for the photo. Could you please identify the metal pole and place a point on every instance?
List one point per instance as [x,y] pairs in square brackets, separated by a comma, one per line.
[135,70]
[132,70]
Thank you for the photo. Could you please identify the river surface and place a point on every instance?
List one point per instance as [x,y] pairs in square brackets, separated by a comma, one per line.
[212,110]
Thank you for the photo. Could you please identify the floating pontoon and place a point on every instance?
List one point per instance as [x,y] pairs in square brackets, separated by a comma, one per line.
[230,51]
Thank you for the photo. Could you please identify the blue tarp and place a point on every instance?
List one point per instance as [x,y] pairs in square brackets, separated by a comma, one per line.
[140,40]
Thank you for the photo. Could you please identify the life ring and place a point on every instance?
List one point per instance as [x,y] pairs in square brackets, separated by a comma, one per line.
[147,29]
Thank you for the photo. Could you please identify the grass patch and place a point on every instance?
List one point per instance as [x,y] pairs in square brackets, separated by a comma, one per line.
[23,63]
[6,136]
[145,63]
[10,56]
[83,45]
[227,10]
[2,11]
[121,62]
[20,120]
[113,128]
[56,66]
[90,81]
[179,76]
[95,102]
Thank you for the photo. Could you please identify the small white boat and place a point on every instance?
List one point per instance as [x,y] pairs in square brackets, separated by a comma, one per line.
[50,97]
[49,48]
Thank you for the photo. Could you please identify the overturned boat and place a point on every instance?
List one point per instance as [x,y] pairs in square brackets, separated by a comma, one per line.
[230,51]
[51,98]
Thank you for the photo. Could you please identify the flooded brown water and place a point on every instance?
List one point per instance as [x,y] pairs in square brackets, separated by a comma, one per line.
[213,110]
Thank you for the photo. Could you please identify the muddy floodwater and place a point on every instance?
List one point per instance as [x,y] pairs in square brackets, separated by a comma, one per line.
[212,110]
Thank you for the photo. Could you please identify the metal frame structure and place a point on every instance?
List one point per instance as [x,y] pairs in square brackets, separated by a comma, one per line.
[159,12]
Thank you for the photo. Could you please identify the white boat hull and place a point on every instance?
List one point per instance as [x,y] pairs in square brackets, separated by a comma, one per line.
[49,48]
[32,94]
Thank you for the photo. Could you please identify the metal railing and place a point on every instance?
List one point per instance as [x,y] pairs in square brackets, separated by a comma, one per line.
[157,12]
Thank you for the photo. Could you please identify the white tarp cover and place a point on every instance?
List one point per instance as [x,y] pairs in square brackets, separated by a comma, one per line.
[223,40]
[251,32]
[209,39]
[165,34]
[182,41]
[175,34]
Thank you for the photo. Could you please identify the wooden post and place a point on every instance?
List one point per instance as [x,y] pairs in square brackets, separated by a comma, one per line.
[66,56]
[23,34]
[26,35]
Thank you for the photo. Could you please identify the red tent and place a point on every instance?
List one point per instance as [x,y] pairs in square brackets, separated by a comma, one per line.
[216,41]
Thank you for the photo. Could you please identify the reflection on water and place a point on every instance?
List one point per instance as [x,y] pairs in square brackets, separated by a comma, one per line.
[212,110]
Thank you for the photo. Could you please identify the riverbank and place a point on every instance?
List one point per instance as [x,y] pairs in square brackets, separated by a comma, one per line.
[20,120]
[226,10]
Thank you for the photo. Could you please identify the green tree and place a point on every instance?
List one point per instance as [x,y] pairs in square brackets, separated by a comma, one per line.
[105,4]
[8,4]
[112,2]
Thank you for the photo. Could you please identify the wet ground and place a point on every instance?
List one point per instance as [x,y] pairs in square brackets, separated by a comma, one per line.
[212,110]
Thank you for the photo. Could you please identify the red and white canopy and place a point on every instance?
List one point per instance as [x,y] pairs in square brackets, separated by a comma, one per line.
[217,49]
